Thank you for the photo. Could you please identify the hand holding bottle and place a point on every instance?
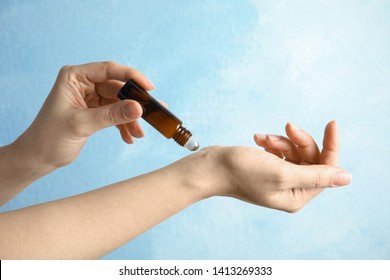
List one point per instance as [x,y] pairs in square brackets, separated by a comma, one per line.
[82,101]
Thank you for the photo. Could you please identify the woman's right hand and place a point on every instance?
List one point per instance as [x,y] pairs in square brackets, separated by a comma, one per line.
[82,101]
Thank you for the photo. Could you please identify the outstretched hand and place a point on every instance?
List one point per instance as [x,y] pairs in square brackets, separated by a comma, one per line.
[287,176]
[300,148]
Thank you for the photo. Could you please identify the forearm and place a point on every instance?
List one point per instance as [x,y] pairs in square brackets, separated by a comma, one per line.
[18,169]
[92,224]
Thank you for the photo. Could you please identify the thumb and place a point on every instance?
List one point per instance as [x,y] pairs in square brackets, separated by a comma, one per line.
[319,176]
[109,115]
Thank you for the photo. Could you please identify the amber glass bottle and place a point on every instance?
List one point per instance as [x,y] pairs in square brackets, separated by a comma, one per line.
[158,116]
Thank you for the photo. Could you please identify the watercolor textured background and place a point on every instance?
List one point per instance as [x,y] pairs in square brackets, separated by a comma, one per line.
[228,69]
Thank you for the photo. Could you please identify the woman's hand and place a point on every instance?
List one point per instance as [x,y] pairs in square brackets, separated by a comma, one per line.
[83,100]
[287,176]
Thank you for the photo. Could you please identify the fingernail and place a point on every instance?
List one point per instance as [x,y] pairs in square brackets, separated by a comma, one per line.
[130,113]
[341,178]
[150,83]
[260,136]
[274,138]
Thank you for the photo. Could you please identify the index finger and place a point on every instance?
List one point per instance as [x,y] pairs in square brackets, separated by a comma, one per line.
[307,147]
[98,72]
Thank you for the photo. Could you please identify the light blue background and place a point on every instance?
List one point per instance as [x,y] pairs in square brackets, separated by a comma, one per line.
[228,69]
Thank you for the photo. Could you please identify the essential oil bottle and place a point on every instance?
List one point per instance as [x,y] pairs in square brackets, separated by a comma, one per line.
[158,116]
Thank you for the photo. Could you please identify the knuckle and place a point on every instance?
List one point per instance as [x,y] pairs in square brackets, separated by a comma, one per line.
[111,117]
[318,180]
[65,68]
[109,64]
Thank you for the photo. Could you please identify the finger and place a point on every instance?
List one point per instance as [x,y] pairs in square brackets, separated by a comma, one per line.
[331,145]
[288,148]
[109,89]
[135,129]
[125,134]
[163,103]
[260,140]
[98,72]
[91,120]
[316,176]
[307,147]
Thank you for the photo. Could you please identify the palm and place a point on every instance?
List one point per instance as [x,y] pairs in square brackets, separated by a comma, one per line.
[301,149]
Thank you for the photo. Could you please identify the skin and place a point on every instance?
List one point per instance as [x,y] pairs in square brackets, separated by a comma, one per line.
[286,176]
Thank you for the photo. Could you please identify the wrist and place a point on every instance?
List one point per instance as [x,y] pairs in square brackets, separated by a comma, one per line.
[202,174]
[35,152]
[22,164]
